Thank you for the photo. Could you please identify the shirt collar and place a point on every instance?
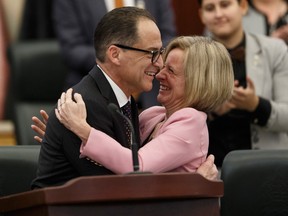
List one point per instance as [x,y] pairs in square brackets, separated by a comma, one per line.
[120,96]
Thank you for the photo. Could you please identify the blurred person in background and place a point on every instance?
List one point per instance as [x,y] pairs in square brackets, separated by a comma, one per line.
[256,117]
[268,17]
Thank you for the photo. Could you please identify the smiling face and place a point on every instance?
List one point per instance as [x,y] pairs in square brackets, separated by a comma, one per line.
[172,81]
[223,18]
[137,71]
[123,40]
[197,73]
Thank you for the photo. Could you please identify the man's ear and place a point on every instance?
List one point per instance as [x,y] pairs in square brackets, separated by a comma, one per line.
[113,54]
[244,5]
[200,15]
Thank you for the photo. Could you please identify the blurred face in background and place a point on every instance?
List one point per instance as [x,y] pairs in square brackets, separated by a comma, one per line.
[223,18]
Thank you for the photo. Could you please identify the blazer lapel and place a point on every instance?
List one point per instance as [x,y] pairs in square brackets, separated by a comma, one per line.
[254,62]
[107,92]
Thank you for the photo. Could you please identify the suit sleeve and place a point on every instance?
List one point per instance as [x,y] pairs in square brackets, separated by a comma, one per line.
[77,50]
[278,120]
[163,12]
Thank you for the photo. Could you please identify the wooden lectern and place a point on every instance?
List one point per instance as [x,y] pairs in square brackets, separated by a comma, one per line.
[165,194]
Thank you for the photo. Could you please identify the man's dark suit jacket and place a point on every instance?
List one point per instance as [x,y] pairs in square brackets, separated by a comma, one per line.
[75,22]
[59,156]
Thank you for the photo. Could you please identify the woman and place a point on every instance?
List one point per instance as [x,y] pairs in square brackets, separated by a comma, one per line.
[257,114]
[197,77]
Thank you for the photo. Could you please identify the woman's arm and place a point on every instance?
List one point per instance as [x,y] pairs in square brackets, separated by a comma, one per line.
[73,114]
[156,156]
[173,147]
[40,126]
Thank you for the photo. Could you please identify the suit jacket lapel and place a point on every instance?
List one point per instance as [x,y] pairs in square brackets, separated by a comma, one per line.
[254,62]
[107,92]
[103,85]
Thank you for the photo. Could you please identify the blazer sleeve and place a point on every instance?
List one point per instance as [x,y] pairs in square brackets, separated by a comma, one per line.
[76,46]
[278,120]
[277,58]
[163,12]
[182,140]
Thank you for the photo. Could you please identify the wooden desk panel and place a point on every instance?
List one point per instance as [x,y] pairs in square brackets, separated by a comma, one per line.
[148,194]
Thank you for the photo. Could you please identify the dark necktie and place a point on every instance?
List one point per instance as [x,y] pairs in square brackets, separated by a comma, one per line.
[126,109]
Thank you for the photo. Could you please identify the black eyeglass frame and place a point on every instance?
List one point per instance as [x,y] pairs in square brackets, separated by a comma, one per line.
[155,53]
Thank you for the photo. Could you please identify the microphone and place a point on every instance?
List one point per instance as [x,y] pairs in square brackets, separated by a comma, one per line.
[134,147]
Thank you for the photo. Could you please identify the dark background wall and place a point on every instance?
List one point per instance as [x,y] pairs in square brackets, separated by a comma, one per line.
[187,18]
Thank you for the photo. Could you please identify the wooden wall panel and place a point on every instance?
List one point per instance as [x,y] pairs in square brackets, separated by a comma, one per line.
[187,18]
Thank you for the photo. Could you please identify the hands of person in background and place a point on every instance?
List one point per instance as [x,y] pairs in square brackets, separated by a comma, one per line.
[242,98]
[73,114]
[245,98]
[40,126]
[224,108]
[208,169]
[281,33]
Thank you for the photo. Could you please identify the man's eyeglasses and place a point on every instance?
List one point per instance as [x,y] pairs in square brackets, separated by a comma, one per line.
[155,53]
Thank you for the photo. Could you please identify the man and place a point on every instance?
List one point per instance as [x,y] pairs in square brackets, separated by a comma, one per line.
[76,20]
[128,53]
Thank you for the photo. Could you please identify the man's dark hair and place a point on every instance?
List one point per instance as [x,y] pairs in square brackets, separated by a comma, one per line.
[118,26]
